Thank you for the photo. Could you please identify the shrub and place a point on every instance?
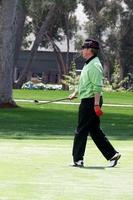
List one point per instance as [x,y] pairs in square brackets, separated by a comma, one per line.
[72,79]
[40,86]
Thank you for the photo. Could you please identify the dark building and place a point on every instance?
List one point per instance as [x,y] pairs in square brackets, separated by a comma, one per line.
[45,65]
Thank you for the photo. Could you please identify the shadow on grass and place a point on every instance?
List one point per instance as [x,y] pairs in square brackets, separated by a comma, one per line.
[53,122]
[98,167]
[95,167]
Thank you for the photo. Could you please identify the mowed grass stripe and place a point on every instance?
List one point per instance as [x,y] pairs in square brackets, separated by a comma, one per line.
[47,121]
[40,170]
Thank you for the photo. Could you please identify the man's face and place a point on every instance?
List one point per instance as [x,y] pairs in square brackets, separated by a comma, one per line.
[86,53]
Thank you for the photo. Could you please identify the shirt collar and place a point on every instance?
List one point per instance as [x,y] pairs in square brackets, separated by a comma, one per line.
[87,61]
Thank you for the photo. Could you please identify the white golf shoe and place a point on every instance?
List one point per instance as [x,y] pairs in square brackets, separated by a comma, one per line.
[79,163]
[114,160]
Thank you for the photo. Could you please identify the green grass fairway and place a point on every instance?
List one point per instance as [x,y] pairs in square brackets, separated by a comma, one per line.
[39,170]
[35,151]
[109,97]
[52,120]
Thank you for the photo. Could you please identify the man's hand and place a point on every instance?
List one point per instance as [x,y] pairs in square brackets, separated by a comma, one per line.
[98,110]
[72,96]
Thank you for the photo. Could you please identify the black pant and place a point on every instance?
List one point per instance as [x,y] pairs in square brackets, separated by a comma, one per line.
[89,123]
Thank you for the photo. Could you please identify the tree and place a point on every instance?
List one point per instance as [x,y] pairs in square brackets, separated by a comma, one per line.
[70,26]
[68,23]
[21,13]
[0,32]
[96,26]
[39,11]
[119,19]
[52,33]
[111,23]
[43,29]
[126,33]
[8,34]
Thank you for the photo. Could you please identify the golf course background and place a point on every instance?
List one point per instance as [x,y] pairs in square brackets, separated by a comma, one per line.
[36,143]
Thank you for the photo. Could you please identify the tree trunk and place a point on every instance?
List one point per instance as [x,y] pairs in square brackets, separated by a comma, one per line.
[45,25]
[61,64]
[20,21]
[8,26]
[60,60]
[59,57]
[106,64]
[120,60]
[67,56]
[68,41]
[0,33]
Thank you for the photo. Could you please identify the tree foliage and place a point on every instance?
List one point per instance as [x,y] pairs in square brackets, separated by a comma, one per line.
[64,25]
[111,22]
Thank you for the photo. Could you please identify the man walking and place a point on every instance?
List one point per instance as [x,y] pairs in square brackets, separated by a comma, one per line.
[90,93]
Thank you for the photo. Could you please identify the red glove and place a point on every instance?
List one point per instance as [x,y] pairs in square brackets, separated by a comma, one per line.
[98,111]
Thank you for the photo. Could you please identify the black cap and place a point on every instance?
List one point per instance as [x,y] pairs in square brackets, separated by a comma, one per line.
[90,43]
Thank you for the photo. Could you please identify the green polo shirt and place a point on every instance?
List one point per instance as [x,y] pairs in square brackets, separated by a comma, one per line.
[91,79]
